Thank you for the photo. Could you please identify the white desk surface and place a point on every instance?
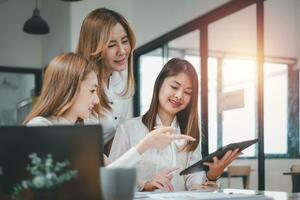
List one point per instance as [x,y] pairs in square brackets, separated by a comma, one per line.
[220,194]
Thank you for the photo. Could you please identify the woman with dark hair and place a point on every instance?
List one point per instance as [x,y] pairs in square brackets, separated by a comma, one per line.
[174,103]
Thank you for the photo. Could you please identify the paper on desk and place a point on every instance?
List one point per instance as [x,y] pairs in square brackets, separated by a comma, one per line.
[200,196]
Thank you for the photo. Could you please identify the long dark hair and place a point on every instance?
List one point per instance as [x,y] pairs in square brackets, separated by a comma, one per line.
[188,117]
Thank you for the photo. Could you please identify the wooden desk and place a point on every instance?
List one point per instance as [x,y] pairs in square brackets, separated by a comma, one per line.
[291,173]
[244,178]
[295,180]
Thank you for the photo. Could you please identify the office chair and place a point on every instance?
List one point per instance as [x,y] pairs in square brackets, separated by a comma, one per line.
[242,171]
[295,168]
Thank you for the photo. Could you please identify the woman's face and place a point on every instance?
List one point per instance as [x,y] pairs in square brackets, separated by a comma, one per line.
[115,57]
[175,94]
[87,97]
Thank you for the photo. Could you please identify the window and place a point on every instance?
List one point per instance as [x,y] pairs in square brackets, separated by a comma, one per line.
[233,121]
[232,107]
[150,66]
[276,108]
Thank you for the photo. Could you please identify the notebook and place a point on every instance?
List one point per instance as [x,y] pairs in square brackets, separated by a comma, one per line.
[80,145]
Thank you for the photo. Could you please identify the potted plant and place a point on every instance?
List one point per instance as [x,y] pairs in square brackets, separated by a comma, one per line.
[47,175]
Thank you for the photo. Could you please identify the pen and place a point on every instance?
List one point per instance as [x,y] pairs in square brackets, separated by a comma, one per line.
[173,172]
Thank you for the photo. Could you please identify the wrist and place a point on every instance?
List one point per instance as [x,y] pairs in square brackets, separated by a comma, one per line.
[142,146]
[210,177]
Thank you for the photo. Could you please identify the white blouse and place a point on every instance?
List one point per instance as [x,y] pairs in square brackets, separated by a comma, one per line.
[154,161]
[120,106]
[127,160]
[48,121]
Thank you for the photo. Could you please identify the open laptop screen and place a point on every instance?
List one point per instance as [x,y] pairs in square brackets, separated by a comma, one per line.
[81,146]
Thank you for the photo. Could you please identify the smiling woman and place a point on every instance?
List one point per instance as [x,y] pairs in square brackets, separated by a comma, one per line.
[174,103]
[69,92]
[107,39]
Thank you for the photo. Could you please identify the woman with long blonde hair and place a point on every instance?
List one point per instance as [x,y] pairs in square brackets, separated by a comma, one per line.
[107,39]
[69,91]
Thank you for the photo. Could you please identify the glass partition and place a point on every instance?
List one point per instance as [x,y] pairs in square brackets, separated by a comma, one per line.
[281,96]
[16,103]
[150,66]
[232,87]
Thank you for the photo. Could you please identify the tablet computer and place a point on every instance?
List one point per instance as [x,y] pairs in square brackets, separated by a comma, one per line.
[198,166]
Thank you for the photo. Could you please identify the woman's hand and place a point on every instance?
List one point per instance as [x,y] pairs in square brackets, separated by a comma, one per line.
[160,138]
[161,181]
[216,168]
[207,186]
[106,160]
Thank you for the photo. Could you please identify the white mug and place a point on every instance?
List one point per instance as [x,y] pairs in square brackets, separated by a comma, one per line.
[117,183]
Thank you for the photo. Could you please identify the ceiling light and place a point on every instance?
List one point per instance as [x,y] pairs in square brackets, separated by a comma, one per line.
[36,24]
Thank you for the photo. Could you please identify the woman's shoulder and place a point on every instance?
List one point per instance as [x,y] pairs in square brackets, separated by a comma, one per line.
[39,121]
[134,128]
[93,119]
[135,122]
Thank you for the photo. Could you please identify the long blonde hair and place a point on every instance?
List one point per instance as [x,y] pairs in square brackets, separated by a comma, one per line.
[94,38]
[188,117]
[61,85]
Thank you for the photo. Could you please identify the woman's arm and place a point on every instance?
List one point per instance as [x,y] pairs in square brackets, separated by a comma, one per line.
[39,121]
[159,139]
[121,144]
[156,139]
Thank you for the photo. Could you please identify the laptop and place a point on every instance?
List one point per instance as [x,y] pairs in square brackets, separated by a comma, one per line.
[80,145]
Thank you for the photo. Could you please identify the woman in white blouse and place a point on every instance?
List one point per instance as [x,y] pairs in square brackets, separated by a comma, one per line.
[174,103]
[107,39]
[68,96]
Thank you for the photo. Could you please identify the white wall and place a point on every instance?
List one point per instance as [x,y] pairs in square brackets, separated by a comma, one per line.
[149,19]
[16,47]
[280,28]
[58,16]
[235,33]
[154,18]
